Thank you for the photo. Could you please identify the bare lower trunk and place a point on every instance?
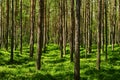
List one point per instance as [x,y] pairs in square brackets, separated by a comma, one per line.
[77,42]
[33,2]
[72,31]
[20,26]
[12,33]
[99,36]
[7,24]
[40,33]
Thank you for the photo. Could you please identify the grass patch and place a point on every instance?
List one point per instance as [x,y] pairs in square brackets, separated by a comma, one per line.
[55,68]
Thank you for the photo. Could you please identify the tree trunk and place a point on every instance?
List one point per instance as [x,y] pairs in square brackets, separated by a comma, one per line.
[12,33]
[91,25]
[15,31]
[7,24]
[119,25]
[64,27]
[61,28]
[1,30]
[89,29]
[20,26]
[33,2]
[106,23]
[102,27]
[40,33]
[114,24]
[72,31]
[77,42]
[45,27]
[111,23]
[99,36]
[86,29]
[48,22]
[3,24]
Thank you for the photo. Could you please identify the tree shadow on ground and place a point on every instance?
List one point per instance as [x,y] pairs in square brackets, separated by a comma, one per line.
[64,76]
[39,76]
[56,61]
[103,74]
[52,47]
[17,61]
[87,56]
[67,76]
[114,58]
[36,76]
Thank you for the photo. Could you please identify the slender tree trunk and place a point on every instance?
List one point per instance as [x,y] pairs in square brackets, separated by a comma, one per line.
[111,23]
[86,25]
[72,31]
[48,24]
[66,21]
[1,25]
[85,29]
[83,14]
[45,27]
[12,33]
[119,25]
[33,2]
[40,33]
[91,25]
[61,29]
[20,26]
[106,26]
[99,36]
[102,27]
[7,24]
[114,24]
[77,42]
[64,27]
[15,31]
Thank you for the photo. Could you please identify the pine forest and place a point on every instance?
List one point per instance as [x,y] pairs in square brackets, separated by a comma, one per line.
[59,39]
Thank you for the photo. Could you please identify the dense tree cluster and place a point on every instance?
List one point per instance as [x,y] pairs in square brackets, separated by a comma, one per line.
[79,23]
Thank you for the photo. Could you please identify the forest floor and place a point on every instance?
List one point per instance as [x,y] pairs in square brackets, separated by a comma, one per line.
[55,68]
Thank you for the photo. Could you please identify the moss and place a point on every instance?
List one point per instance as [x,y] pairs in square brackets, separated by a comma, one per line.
[55,68]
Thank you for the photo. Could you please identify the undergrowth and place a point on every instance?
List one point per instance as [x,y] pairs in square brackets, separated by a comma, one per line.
[55,68]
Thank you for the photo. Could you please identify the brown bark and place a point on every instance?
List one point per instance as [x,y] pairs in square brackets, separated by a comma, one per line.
[111,23]
[7,24]
[33,2]
[45,27]
[77,42]
[88,26]
[102,26]
[72,31]
[15,31]
[114,24]
[12,33]
[85,28]
[99,36]
[61,28]
[119,25]
[106,23]
[1,25]
[64,27]
[20,26]
[40,33]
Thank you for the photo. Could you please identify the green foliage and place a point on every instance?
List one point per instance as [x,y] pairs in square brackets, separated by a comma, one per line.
[55,68]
